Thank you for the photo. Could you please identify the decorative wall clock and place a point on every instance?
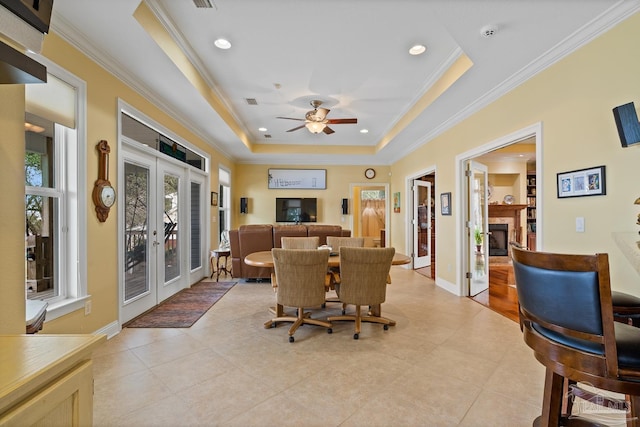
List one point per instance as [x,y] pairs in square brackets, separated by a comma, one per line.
[104,195]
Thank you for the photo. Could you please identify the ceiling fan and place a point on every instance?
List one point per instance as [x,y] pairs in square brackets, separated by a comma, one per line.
[316,120]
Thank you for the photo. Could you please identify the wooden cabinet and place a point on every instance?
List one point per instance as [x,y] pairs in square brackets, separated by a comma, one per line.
[531,211]
[47,380]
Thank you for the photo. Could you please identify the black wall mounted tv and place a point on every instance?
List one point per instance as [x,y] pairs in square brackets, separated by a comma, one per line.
[296,209]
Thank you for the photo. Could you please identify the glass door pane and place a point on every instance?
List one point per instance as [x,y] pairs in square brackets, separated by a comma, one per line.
[171,230]
[136,238]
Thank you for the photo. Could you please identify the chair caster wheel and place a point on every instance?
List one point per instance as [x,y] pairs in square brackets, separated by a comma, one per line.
[329,331]
[386,327]
[356,336]
[291,339]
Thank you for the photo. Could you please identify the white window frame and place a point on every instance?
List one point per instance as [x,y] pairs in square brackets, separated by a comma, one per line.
[71,187]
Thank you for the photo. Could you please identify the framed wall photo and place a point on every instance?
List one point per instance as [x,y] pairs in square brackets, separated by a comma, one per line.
[582,182]
[214,199]
[396,202]
[309,179]
[445,203]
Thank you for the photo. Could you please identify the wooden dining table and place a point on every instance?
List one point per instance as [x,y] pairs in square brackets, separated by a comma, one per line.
[265,259]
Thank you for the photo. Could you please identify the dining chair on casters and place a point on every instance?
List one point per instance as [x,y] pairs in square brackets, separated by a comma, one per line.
[335,243]
[300,274]
[300,242]
[566,317]
[363,281]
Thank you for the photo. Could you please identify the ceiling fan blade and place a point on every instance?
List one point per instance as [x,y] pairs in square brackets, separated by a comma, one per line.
[328,130]
[290,118]
[296,128]
[341,121]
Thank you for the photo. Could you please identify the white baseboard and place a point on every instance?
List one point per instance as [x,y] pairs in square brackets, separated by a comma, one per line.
[448,286]
[111,330]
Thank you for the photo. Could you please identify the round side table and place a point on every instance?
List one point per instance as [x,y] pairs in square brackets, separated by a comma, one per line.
[218,254]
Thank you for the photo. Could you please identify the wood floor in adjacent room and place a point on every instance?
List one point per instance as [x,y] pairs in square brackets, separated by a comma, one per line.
[501,296]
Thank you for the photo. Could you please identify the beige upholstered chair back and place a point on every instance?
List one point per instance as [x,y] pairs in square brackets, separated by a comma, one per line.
[300,242]
[363,273]
[300,275]
[338,242]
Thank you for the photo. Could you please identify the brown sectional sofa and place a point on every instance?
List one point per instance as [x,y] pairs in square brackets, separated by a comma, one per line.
[263,237]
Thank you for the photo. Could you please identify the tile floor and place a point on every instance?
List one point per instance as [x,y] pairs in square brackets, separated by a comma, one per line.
[448,362]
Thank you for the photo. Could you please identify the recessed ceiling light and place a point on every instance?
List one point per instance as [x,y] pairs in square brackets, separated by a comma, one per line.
[364,130]
[417,49]
[262,129]
[222,44]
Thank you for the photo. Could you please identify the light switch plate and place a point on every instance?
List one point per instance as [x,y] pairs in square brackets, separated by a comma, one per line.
[580,224]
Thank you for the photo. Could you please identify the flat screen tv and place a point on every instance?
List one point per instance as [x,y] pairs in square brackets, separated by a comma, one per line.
[296,209]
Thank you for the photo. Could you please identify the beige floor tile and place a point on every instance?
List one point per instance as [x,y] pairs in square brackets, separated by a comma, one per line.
[448,361]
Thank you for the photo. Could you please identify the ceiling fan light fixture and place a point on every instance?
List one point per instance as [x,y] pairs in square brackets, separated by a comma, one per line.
[315,127]
[222,44]
[417,49]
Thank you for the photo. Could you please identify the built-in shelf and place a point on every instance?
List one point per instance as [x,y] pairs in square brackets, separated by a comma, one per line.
[531,211]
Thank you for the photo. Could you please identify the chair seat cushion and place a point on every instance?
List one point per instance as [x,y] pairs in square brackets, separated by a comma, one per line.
[627,343]
[625,304]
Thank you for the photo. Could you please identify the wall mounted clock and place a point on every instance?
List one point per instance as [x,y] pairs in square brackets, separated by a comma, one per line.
[370,173]
[104,195]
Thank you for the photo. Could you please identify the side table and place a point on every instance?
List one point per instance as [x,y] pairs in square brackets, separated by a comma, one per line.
[217,254]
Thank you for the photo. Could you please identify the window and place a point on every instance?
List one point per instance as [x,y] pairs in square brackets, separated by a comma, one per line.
[224,204]
[55,182]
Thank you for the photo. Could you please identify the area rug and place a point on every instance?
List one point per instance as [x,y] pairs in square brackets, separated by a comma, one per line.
[184,308]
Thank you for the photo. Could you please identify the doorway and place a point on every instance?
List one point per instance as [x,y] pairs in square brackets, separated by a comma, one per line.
[370,213]
[162,206]
[498,155]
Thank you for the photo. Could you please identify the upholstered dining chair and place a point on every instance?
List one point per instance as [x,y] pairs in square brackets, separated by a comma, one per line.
[300,242]
[566,317]
[335,243]
[300,274]
[363,281]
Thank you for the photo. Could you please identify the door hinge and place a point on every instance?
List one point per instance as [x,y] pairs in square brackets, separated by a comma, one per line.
[467,173]
[469,275]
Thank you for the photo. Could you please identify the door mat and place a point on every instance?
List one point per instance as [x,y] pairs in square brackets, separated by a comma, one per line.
[183,309]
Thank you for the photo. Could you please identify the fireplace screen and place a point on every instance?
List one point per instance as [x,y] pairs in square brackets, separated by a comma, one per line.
[498,240]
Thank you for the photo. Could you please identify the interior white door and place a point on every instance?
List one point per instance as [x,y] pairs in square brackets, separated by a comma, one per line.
[422,204]
[172,218]
[139,292]
[477,227]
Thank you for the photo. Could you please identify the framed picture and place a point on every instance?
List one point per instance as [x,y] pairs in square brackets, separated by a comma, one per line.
[582,182]
[214,199]
[310,179]
[445,203]
[396,202]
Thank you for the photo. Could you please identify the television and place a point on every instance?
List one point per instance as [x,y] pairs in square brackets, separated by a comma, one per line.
[296,209]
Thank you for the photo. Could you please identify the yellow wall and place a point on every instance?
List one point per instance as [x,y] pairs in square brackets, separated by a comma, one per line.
[251,181]
[573,100]
[12,264]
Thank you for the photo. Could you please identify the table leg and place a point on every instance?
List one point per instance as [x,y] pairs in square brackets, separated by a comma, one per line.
[217,268]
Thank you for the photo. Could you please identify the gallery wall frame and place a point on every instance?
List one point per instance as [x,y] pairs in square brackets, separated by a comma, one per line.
[445,203]
[582,182]
[295,179]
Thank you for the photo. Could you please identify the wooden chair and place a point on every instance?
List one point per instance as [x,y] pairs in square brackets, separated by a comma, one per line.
[300,242]
[363,281]
[300,274]
[566,317]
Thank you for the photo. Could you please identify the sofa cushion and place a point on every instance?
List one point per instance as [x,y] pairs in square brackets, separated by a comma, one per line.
[322,231]
[280,231]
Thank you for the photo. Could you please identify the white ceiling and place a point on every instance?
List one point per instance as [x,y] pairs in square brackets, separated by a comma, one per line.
[351,54]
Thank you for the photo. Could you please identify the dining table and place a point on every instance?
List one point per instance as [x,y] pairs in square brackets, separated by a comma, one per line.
[265,259]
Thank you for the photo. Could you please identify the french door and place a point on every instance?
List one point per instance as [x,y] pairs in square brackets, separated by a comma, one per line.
[421,223]
[155,211]
[477,227]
